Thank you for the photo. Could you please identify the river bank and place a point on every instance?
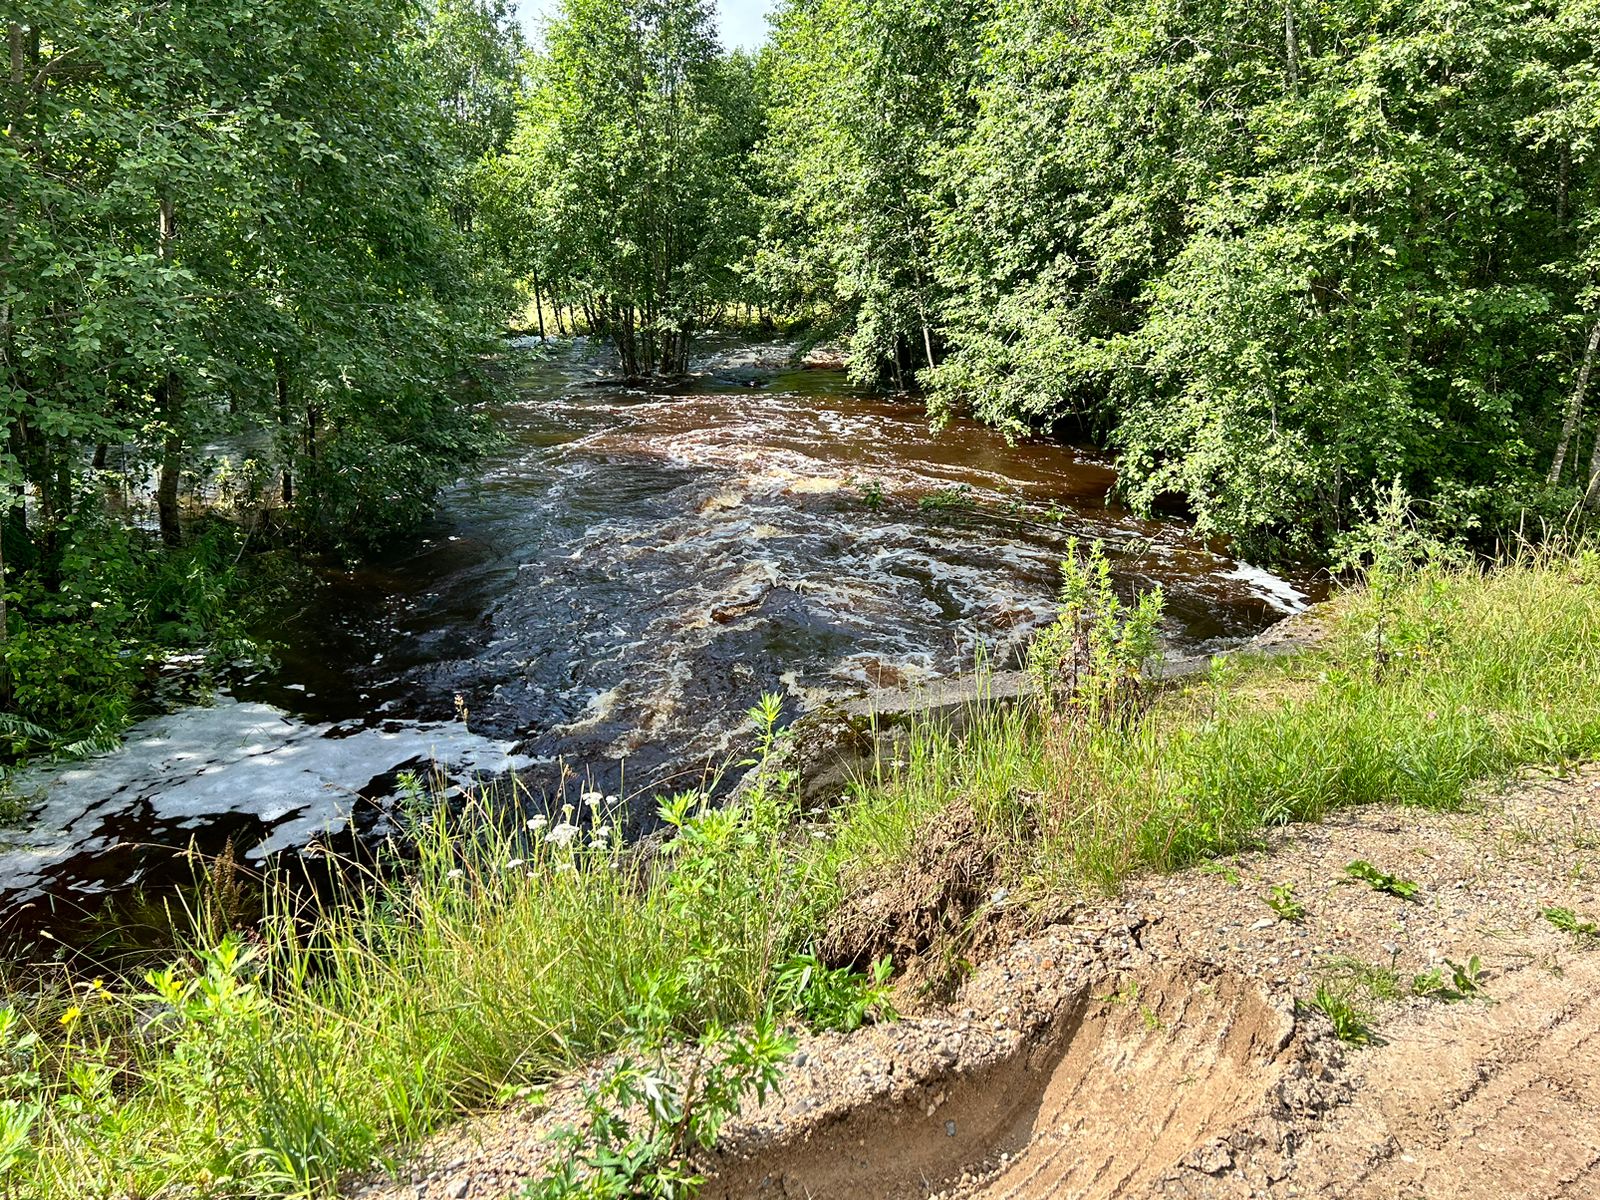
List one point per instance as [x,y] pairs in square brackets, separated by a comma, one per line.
[1167,1042]
[327,1041]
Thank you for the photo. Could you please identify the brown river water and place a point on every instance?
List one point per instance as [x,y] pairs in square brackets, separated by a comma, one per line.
[606,597]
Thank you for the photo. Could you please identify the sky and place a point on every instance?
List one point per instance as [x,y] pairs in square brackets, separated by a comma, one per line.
[743,22]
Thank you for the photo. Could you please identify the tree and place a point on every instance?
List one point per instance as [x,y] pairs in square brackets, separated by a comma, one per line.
[1268,253]
[236,227]
[866,96]
[631,164]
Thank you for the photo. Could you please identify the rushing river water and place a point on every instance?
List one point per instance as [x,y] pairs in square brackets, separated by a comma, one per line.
[607,597]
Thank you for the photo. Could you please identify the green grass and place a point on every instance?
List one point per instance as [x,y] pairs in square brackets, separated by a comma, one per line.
[332,1036]
[1477,674]
[327,1041]
[1349,1021]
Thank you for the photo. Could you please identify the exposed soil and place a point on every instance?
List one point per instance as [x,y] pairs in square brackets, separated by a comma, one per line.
[928,915]
[1159,1045]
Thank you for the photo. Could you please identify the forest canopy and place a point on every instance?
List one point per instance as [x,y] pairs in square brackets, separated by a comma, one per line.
[240,227]
[1268,253]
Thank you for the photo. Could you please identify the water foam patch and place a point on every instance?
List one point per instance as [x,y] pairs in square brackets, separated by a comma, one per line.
[1279,593]
[175,773]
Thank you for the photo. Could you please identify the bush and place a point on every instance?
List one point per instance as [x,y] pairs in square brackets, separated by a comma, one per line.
[1093,662]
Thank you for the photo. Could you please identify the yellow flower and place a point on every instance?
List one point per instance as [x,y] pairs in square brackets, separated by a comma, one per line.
[71,1016]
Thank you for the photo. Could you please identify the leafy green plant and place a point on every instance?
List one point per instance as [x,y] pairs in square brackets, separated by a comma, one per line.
[1568,921]
[1094,660]
[1281,900]
[1229,872]
[1381,881]
[871,495]
[1465,978]
[836,998]
[1350,1023]
[1431,984]
[1452,981]
[1406,603]
[947,499]
[650,1115]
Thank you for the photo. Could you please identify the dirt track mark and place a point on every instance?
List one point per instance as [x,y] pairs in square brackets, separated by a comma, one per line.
[1497,1099]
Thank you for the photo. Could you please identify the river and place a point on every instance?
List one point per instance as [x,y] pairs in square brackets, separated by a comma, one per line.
[605,598]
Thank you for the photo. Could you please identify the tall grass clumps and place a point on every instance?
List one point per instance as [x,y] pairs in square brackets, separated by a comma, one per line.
[1431,677]
[322,1038]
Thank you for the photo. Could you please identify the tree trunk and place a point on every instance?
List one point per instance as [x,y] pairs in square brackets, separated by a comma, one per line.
[170,396]
[1291,47]
[538,304]
[281,382]
[1591,495]
[1569,426]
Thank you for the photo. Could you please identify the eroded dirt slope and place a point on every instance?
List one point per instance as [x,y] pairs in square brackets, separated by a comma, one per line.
[1159,1046]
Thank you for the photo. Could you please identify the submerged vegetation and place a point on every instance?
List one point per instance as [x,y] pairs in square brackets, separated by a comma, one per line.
[327,1038]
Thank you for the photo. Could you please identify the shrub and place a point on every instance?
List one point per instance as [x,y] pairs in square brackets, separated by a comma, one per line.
[1094,660]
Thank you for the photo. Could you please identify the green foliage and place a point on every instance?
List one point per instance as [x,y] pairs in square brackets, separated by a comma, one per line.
[872,495]
[1381,881]
[647,1119]
[860,110]
[1376,259]
[1350,1023]
[629,185]
[1094,660]
[80,654]
[1451,982]
[837,998]
[240,281]
[331,1034]
[1281,900]
[1568,921]
[1273,741]
[945,499]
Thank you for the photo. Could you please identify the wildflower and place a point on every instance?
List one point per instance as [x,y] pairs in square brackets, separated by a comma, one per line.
[71,1017]
[562,834]
[566,811]
[611,801]
[592,799]
[455,873]
[538,823]
[513,863]
[567,867]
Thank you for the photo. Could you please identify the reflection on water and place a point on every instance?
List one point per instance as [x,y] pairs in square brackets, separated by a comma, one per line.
[632,570]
